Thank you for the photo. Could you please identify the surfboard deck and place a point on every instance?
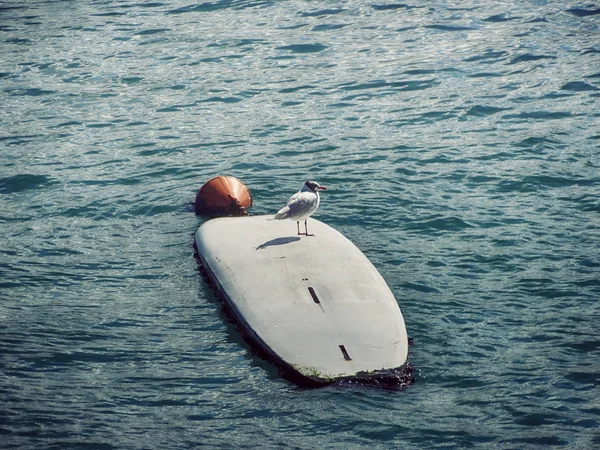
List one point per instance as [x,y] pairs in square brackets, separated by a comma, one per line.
[315,304]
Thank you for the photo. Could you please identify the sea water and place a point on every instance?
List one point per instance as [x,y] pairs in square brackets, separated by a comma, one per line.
[459,142]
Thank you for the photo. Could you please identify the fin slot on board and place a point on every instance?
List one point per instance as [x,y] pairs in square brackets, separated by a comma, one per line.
[313,294]
[345,353]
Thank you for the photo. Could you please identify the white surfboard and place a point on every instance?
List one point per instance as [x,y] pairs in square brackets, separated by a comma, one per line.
[314,304]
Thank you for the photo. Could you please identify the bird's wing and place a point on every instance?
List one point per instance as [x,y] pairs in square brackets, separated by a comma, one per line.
[297,205]
[301,202]
[284,212]
[294,197]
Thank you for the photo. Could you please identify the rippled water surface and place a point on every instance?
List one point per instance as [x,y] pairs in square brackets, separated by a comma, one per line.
[460,144]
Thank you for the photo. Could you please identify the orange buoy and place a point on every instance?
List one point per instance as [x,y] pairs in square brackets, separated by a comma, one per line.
[223,195]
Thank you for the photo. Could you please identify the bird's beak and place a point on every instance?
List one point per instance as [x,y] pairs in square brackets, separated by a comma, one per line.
[322,188]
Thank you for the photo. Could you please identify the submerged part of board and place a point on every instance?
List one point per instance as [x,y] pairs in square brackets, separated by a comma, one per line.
[314,304]
[223,195]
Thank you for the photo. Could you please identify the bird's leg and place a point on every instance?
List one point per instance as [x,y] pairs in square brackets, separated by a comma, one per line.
[298,223]
[306,229]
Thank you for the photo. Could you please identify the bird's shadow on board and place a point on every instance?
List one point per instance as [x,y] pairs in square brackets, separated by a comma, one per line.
[278,241]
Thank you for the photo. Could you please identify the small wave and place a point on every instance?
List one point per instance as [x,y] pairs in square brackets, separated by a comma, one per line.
[24,182]
[291,90]
[482,110]
[36,92]
[18,41]
[304,48]
[582,12]
[329,27]
[449,28]
[221,100]
[536,141]
[500,18]
[420,287]
[322,12]
[109,14]
[131,80]
[539,115]
[554,182]
[392,6]
[151,31]
[527,57]
[578,86]
[440,224]
[488,55]
[215,6]
[67,124]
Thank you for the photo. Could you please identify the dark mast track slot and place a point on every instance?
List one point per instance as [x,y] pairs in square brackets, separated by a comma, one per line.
[313,294]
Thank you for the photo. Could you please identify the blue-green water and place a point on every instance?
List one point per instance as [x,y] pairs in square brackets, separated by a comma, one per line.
[460,144]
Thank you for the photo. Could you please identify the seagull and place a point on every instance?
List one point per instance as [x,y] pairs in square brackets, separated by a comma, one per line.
[302,205]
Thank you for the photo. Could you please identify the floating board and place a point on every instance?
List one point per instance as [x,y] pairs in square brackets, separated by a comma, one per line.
[314,304]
